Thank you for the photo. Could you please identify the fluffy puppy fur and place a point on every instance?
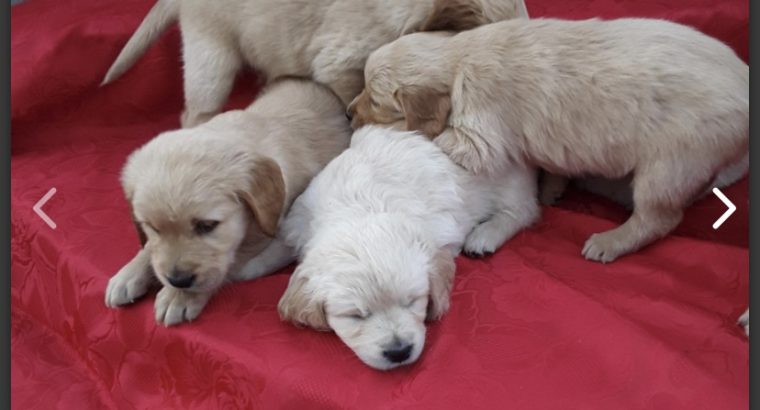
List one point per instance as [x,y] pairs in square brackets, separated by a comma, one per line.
[653,99]
[327,40]
[376,233]
[208,199]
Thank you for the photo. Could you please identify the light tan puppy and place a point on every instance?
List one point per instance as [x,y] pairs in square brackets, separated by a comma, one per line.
[650,98]
[208,199]
[327,40]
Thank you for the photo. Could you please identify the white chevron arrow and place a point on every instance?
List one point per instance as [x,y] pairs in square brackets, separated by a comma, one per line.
[37,208]
[731,208]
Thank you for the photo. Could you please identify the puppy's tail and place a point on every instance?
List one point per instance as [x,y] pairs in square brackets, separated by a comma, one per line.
[164,13]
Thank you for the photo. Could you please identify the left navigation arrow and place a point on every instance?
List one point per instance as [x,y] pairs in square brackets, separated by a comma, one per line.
[37,208]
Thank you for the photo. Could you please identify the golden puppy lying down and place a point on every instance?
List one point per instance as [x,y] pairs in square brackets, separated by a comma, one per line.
[208,199]
[650,98]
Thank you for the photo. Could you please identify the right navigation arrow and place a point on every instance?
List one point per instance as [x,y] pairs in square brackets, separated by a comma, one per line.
[729,211]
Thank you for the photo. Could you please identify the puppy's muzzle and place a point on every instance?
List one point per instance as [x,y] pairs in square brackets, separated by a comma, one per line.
[398,351]
[181,279]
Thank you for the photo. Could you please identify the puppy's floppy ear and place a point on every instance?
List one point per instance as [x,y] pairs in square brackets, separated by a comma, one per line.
[140,232]
[301,305]
[454,15]
[441,277]
[266,194]
[129,192]
[426,110]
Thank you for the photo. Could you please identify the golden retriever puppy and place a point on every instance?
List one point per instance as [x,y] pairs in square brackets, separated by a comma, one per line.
[653,99]
[327,40]
[376,233]
[208,199]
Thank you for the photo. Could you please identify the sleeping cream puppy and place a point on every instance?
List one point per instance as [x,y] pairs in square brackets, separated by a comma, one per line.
[327,40]
[653,99]
[376,233]
[206,200]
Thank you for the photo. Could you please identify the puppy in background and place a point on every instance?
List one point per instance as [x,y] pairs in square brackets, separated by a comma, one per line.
[376,233]
[208,199]
[653,99]
[327,40]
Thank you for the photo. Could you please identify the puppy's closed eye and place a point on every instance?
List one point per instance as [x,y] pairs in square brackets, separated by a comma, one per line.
[416,300]
[359,315]
[204,227]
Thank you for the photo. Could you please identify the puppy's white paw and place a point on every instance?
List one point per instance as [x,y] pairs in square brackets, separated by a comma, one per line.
[174,306]
[602,247]
[485,239]
[744,321]
[130,283]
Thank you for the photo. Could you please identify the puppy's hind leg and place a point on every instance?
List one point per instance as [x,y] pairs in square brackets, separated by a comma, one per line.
[339,65]
[660,192]
[131,282]
[516,210]
[211,64]
[345,84]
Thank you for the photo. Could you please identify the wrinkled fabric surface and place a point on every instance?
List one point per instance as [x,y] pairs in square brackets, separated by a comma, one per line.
[535,326]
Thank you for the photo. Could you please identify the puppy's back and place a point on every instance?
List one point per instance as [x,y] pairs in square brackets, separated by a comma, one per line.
[638,85]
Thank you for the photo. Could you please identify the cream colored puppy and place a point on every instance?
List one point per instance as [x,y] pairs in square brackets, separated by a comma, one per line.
[208,199]
[650,98]
[327,40]
[376,233]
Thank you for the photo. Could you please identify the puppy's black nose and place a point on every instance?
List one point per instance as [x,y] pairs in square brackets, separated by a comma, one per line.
[349,115]
[181,279]
[398,352]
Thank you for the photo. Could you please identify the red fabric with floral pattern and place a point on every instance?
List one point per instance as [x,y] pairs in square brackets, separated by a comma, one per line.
[533,327]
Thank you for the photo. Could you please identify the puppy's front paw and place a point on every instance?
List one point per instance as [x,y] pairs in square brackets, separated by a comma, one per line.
[484,239]
[129,284]
[461,150]
[174,306]
[744,321]
[602,247]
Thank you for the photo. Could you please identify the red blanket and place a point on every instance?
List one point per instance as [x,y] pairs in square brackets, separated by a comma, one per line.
[533,327]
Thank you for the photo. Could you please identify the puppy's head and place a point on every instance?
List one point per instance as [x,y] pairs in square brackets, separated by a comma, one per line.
[407,80]
[195,198]
[374,283]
